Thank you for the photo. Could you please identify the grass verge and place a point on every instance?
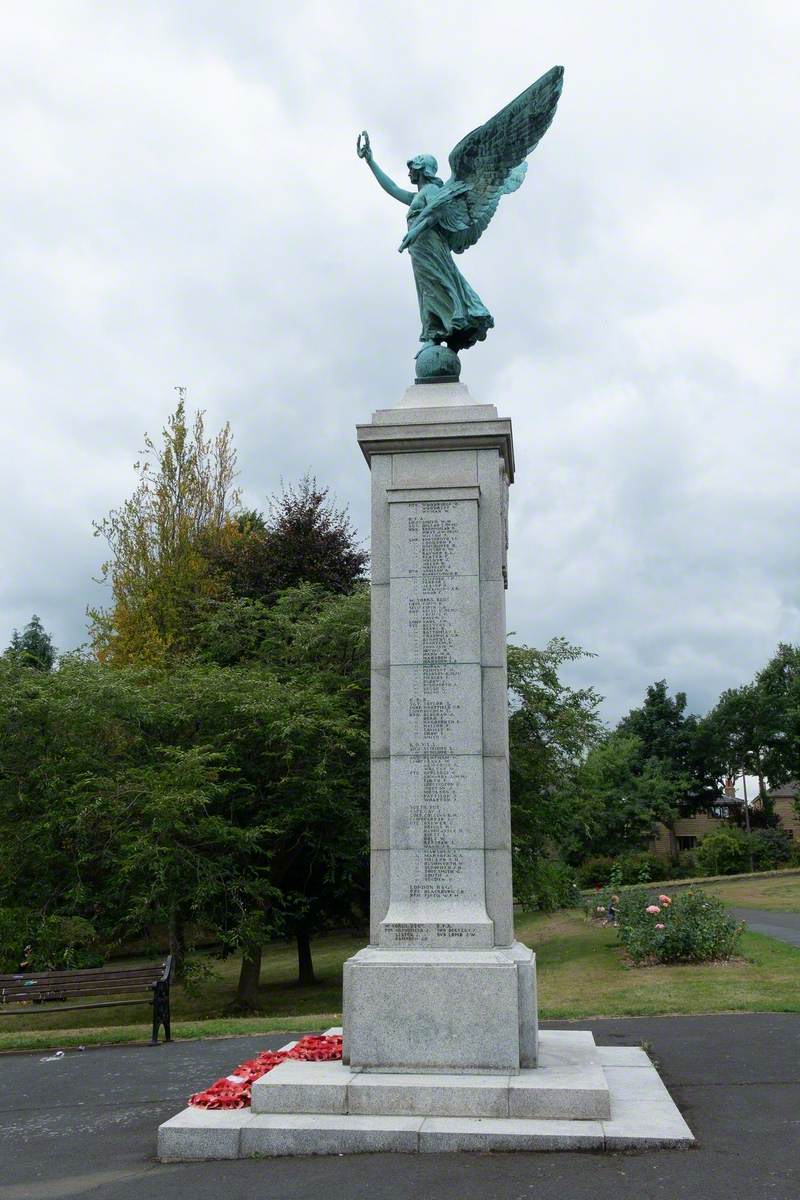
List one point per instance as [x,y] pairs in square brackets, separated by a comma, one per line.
[772,892]
[778,890]
[122,1035]
[582,973]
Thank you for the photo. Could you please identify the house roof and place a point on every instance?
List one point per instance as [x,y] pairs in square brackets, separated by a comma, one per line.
[791,789]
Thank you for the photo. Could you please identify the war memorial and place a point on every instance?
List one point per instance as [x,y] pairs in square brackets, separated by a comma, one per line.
[442,1049]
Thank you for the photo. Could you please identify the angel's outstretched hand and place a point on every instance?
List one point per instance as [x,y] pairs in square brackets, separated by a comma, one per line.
[363,149]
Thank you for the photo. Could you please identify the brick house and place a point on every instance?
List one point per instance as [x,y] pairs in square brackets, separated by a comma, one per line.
[783,799]
[688,832]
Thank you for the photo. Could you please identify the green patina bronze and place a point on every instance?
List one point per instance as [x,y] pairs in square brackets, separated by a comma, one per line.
[448,218]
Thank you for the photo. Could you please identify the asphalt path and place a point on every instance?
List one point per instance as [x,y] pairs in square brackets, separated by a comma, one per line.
[785,926]
[85,1126]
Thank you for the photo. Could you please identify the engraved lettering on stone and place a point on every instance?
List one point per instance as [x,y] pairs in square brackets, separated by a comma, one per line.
[441,548]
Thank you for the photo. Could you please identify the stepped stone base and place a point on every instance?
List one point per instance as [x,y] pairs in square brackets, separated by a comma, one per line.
[581,1097]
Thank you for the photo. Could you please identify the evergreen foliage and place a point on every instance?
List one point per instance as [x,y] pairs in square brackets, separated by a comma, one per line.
[33,647]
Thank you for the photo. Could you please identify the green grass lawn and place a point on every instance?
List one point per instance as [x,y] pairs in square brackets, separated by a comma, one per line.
[771,893]
[581,973]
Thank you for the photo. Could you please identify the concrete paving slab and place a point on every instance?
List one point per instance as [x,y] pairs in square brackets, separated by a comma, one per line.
[566,1047]
[578,1091]
[643,1114]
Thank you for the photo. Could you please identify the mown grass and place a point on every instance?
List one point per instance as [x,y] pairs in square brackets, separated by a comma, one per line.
[773,893]
[581,971]
[121,1035]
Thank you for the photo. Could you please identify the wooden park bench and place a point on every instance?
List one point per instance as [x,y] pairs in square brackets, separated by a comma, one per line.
[46,991]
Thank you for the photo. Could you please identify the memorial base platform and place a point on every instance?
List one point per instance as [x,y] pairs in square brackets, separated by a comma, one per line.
[580,1097]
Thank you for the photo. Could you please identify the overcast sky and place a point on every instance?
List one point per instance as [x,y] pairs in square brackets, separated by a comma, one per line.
[182,205]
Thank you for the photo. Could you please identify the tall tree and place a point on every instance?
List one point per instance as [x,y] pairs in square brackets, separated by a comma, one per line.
[755,728]
[739,727]
[618,798]
[158,575]
[552,726]
[778,688]
[667,735]
[33,647]
[317,648]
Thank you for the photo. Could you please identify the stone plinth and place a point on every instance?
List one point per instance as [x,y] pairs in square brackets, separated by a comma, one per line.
[580,1097]
[443,985]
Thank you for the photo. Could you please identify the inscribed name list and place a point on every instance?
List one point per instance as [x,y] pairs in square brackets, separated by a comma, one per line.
[436,777]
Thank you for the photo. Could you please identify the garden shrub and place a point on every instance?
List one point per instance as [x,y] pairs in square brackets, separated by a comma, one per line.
[641,868]
[772,848]
[724,852]
[545,885]
[46,942]
[683,866]
[691,927]
[626,869]
[595,871]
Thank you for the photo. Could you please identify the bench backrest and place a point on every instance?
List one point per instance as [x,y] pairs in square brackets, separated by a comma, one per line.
[94,981]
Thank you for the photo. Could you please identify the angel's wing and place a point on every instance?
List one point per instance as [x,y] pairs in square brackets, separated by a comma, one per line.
[490,162]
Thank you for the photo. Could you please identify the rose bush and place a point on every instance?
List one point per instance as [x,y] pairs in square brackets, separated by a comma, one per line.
[691,927]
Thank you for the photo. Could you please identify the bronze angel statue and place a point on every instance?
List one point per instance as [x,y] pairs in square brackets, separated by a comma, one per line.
[448,218]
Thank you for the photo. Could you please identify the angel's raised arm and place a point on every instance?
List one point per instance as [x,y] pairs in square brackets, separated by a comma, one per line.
[388,185]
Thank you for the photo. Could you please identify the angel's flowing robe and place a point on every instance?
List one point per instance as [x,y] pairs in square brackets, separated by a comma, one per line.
[449,309]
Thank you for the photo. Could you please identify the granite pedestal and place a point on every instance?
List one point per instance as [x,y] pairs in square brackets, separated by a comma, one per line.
[441,900]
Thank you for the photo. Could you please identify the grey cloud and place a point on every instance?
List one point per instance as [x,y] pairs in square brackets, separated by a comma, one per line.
[185,207]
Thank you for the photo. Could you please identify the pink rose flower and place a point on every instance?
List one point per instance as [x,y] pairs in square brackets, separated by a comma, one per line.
[660,926]
[665,899]
[653,908]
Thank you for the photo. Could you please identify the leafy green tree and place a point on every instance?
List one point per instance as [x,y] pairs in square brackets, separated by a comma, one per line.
[676,741]
[317,646]
[726,851]
[755,728]
[159,577]
[551,727]
[167,835]
[203,792]
[778,686]
[618,799]
[33,647]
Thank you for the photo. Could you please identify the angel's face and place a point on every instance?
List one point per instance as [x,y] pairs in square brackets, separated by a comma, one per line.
[414,174]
